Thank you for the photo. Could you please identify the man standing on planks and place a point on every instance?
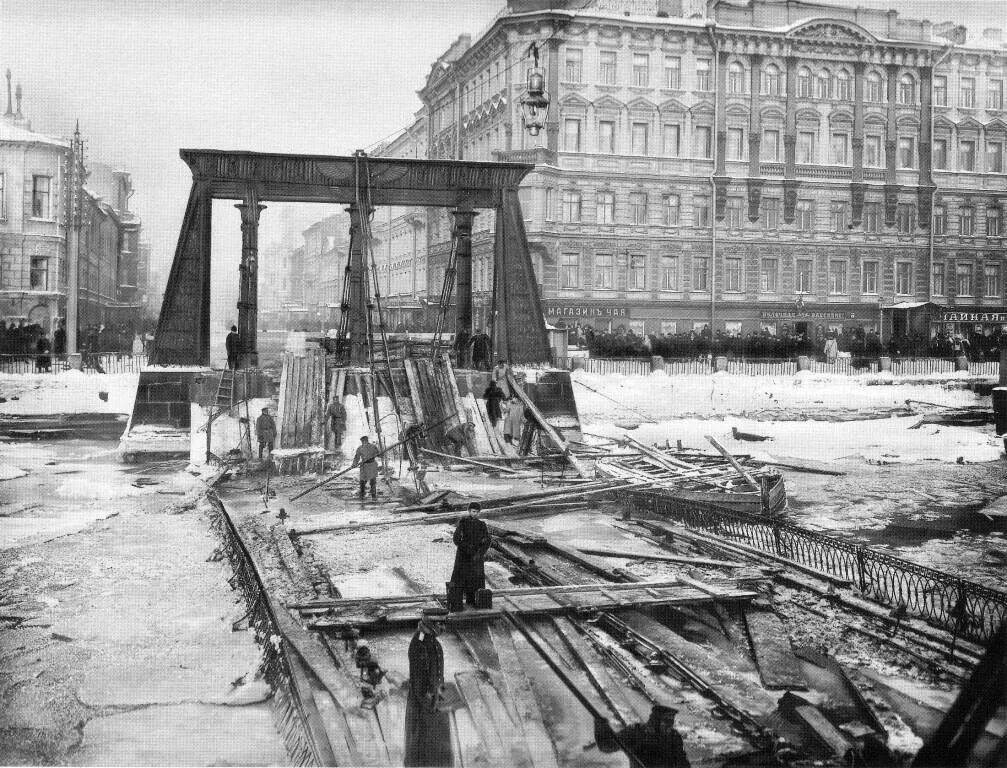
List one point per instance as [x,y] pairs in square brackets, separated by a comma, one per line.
[265,430]
[472,538]
[493,397]
[367,458]
[481,345]
[337,422]
[231,345]
[428,729]
[513,421]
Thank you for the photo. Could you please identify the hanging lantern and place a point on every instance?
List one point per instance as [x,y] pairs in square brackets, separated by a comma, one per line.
[535,102]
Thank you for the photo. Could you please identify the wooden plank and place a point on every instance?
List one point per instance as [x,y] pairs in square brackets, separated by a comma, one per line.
[281,407]
[466,460]
[778,667]
[490,735]
[546,427]
[479,416]
[824,730]
[335,726]
[734,463]
[297,406]
[662,558]
[526,706]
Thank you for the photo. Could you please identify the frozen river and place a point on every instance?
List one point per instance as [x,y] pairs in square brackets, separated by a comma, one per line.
[115,623]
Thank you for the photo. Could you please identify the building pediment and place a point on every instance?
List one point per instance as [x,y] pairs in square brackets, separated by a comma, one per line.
[808,115]
[942,122]
[575,101]
[969,124]
[607,102]
[996,126]
[672,105]
[702,107]
[831,30]
[641,105]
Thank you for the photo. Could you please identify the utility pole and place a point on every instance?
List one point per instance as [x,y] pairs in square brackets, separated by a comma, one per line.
[74,224]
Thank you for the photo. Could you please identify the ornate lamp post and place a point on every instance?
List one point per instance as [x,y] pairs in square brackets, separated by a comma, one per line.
[535,101]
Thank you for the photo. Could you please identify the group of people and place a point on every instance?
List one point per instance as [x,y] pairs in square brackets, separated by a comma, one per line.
[473,351]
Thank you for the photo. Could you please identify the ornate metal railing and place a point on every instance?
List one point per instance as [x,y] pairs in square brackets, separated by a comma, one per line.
[962,607]
[105,362]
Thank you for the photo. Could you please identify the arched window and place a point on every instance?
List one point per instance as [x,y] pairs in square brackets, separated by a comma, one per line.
[875,88]
[907,89]
[735,78]
[804,83]
[843,91]
[823,84]
[771,80]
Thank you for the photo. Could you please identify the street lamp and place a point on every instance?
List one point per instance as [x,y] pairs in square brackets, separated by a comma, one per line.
[535,101]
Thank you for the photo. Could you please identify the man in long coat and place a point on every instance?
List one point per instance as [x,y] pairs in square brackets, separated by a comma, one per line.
[428,729]
[231,345]
[337,422]
[472,538]
[366,458]
[493,397]
[513,421]
[265,430]
[481,350]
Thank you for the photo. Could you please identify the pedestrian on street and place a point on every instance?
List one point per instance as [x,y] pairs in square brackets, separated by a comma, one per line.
[265,431]
[513,421]
[472,539]
[337,422]
[831,350]
[493,397]
[231,345]
[428,729]
[481,350]
[366,458]
[654,744]
[500,377]
[137,345]
[460,436]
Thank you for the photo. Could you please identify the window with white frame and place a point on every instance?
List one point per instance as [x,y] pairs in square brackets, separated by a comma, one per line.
[700,273]
[804,83]
[872,218]
[606,137]
[995,94]
[967,225]
[938,279]
[806,147]
[872,151]
[994,156]
[907,152]
[907,89]
[771,145]
[734,212]
[574,71]
[805,215]
[641,69]
[963,278]
[839,214]
[991,279]
[672,210]
[672,134]
[840,148]
[638,207]
[823,84]
[837,277]
[940,154]
[992,222]
[669,272]
[571,206]
[38,278]
[669,327]
[701,211]
[771,80]
[607,67]
[702,141]
[844,85]
[967,93]
[966,155]
[550,203]
[904,278]
[637,272]
[940,222]
[3,197]
[40,197]
[735,78]
[571,134]
[639,134]
[869,278]
[605,209]
[905,218]
[732,274]
[604,271]
[803,275]
[735,143]
[769,273]
[703,80]
[733,327]
[569,270]
[771,207]
[672,72]
[940,91]
[875,88]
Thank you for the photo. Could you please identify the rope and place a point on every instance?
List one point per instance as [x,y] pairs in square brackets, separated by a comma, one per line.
[616,402]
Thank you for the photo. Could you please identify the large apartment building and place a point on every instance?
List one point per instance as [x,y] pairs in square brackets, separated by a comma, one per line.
[738,165]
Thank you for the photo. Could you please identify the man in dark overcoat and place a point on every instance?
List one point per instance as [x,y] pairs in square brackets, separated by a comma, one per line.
[493,397]
[428,729]
[265,430]
[231,345]
[472,539]
[481,345]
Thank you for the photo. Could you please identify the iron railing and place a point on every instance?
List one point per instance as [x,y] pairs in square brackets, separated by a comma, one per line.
[962,607]
[106,362]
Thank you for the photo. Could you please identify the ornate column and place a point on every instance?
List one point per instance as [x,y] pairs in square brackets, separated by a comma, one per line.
[463,275]
[891,147]
[790,183]
[755,180]
[857,185]
[248,285]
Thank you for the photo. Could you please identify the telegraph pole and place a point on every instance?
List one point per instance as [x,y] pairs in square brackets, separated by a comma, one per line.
[74,225]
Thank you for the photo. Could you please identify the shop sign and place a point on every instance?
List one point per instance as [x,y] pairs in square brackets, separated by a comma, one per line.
[974,317]
[793,314]
[582,310]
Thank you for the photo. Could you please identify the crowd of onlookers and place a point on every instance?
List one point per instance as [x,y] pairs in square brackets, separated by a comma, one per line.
[30,339]
[787,345]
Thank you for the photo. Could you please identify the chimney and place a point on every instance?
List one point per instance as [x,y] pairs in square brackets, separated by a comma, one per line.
[994,35]
[17,98]
[9,111]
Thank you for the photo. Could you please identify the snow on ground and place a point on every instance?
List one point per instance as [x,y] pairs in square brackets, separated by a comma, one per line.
[707,396]
[67,392]
[9,472]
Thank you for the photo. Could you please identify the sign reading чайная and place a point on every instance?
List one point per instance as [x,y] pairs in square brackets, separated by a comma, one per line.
[974,317]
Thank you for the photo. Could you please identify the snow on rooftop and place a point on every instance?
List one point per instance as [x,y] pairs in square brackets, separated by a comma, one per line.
[21,132]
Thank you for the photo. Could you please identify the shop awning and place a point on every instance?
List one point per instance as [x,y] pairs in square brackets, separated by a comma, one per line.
[914,305]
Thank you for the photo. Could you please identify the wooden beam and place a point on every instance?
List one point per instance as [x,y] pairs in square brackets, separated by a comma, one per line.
[549,430]
[466,460]
[727,455]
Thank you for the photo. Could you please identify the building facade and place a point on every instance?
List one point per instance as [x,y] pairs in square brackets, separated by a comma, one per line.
[741,167]
[35,213]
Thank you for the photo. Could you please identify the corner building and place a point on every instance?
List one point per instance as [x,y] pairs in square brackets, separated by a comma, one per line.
[742,166]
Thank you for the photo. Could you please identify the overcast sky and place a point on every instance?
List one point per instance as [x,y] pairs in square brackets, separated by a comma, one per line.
[147,77]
